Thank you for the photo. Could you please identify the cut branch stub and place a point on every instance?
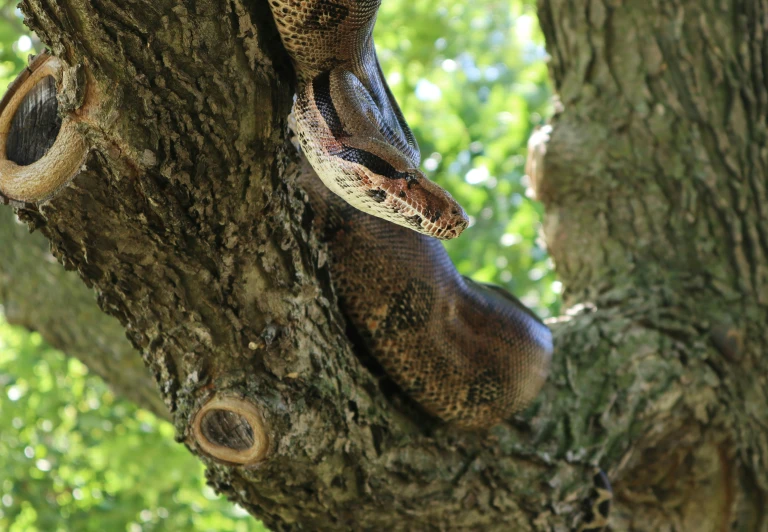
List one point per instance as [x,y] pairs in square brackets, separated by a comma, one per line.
[231,430]
[39,151]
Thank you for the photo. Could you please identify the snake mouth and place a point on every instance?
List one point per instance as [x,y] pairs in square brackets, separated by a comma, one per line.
[444,232]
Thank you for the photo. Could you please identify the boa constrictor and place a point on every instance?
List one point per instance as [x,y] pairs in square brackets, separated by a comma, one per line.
[468,353]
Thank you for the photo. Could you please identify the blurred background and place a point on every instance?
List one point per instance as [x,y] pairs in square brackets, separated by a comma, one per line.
[472,81]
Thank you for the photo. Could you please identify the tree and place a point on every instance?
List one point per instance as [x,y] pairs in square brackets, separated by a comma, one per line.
[655,217]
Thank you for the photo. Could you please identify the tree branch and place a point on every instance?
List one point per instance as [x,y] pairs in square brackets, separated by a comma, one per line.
[37,293]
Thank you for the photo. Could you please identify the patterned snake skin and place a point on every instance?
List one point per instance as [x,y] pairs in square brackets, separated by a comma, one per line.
[468,353]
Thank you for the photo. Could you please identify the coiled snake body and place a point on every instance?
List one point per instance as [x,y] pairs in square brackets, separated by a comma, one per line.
[469,353]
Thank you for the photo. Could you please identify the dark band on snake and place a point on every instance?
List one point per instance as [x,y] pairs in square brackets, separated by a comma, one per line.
[321,89]
[372,162]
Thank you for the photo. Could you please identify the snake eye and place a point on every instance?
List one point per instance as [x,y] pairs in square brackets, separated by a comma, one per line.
[411,179]
[377,195]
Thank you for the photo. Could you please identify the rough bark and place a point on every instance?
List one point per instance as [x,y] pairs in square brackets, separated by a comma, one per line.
[655,189]
[187,225]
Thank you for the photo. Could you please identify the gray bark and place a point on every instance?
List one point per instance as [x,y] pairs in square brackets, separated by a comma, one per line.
[655,189]
[186,223]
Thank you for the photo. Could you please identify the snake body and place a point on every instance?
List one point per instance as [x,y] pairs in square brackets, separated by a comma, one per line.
[468,353]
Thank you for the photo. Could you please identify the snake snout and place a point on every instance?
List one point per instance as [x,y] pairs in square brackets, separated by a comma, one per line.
[452,225]
[446,217]
[461,225]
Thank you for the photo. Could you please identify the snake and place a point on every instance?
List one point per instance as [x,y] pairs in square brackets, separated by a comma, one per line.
[468,353]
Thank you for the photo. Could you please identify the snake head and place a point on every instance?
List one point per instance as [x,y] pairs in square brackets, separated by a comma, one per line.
[415,202]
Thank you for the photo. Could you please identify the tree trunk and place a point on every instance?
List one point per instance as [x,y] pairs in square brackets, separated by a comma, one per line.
[655,191]
[187,223]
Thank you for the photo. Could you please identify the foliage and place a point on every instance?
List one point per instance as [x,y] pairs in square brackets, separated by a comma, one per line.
[472,84]
[15,41]
[471,79]
[75,457]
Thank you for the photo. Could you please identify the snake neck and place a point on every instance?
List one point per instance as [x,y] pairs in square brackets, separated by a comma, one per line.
[322,36]
[338,36]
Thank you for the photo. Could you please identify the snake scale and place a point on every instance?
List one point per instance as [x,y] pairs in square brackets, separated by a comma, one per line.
[468,353]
